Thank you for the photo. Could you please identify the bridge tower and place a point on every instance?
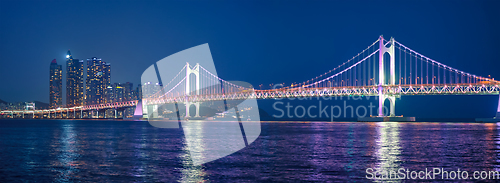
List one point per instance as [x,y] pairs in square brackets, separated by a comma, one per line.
[196,71]
[382,73]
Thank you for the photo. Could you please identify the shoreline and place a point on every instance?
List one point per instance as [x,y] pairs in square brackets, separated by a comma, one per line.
[443,120]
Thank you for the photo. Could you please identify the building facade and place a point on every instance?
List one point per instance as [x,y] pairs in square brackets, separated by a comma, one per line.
[128,91]
[106,78]
[120,92]
[98,79]
[74,81]
[149,89]
[138,92]
[55,85]
[114,93]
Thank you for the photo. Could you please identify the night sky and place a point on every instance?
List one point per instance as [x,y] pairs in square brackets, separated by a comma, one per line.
[260,42]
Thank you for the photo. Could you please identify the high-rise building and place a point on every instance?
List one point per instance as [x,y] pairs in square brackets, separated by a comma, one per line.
[128,91]
[120,92]
[114,93]
[149,89]
[138,93]
[98,79]
[55,85]
[110,95]
[106,79]
[74,81]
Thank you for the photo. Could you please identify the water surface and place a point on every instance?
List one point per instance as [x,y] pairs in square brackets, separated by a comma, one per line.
[132,151]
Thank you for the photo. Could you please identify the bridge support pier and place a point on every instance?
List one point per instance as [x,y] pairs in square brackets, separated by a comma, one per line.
[153,111]
[197,105]
[122,110]
[392,108]
[116,111]
[102,111]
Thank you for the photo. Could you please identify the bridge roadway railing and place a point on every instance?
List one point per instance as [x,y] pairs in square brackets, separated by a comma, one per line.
[115,105]
[420,89]
[444,89]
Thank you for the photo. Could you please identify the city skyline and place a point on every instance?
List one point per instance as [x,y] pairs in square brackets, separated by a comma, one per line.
[76,80]
[89,84]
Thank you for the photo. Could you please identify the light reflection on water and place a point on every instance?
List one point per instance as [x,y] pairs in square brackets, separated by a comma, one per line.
[190,172]
[388,148]
[125,151]
[67,164]
[496,139]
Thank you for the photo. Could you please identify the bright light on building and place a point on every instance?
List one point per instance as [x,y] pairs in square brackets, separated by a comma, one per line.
[67,56]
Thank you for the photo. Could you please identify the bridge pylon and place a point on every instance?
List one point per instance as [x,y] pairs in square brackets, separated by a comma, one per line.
[197,105]
[196,71]
[383,73]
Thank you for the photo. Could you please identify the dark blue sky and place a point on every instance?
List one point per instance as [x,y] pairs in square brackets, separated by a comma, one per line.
[260,42]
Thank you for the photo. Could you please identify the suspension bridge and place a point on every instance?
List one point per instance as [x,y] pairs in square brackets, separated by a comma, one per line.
[386,68]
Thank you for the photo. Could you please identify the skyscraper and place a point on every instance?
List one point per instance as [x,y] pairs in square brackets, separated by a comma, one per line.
[110,95]
[106,79]
[74,81]
[98,79]
[120,92]
[128,91]
[149,89]
[55,85]
[114,93]
[138,93]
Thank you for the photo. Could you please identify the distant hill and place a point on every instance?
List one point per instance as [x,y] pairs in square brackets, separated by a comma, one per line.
[38,104]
